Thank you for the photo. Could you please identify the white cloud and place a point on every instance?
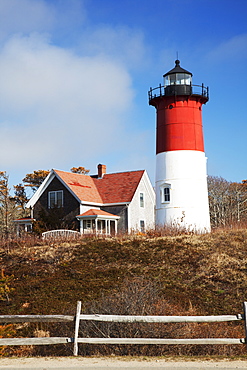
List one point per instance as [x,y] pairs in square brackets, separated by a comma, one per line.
[60,17]
[232,49]
[24,16]
[61,107]
[36,73]
[120,43]
[54,104]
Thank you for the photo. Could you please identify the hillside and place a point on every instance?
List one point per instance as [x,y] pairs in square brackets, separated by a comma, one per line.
[203,274]
[207,271]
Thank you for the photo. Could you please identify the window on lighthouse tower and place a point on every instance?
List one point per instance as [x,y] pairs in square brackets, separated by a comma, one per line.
[165,193]
[178,79]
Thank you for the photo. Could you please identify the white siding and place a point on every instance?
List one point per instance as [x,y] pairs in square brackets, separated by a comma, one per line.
[186,174]
[136,213]
[84,208]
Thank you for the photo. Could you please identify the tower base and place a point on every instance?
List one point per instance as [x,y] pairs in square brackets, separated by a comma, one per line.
[181,190]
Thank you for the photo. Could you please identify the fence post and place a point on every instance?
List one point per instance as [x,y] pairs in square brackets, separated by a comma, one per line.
[245,320]
[77,324]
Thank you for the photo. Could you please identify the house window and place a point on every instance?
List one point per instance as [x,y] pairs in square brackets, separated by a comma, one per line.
[28,228]
[142,226]
[88,224]
[55,199]
[166,193]
[141,200]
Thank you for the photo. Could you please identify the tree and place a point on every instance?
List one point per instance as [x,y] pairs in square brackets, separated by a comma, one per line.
[81,170]
[35,179]
[4,199]
[240,200]
[7,204]
[20,197]
[227,201]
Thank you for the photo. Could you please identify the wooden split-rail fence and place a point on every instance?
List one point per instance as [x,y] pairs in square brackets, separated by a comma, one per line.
[119,318]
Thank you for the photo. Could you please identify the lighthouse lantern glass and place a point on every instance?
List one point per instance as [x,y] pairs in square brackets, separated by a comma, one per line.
[178,79]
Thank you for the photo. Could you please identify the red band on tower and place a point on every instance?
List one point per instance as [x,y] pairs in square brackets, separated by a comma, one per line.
[179,124]
[178,104]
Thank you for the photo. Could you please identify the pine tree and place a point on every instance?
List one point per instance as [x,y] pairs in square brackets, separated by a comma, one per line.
[35,179]
[7,205]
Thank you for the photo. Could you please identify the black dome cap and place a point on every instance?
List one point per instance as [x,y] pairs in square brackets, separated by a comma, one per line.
[177,69]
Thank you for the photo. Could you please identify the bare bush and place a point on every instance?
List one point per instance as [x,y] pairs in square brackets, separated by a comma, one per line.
[136,297]
[142,297]
[227,202]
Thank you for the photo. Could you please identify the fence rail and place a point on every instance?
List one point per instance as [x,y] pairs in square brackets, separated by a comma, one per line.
[34,341]
[161,341]
[161,319]
[119,318]
[35,318]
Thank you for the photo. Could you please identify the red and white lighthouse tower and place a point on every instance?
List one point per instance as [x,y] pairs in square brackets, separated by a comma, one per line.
[181,174]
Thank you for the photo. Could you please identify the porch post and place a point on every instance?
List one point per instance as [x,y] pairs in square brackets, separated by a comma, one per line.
[18,229]
[96,225]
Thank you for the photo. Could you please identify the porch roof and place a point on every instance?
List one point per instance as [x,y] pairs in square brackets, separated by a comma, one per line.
[97,213]
[25,220]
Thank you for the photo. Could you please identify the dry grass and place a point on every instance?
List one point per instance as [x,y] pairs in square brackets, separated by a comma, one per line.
[203,274]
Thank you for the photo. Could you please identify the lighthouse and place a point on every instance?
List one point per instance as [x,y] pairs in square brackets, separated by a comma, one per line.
[181,164]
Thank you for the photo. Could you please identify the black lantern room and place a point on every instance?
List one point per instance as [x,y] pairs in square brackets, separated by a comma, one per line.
[177,81]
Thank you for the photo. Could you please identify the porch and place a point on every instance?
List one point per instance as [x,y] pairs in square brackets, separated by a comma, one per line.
[24,224]
[96,221]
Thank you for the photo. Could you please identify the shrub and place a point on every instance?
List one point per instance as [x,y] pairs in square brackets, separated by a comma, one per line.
[142,297]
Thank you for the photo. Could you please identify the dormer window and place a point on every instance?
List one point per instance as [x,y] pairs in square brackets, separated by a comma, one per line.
[55,199]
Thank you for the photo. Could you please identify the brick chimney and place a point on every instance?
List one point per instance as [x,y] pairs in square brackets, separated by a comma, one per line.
[101,170]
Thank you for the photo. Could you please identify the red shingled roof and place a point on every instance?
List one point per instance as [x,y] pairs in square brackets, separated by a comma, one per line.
[81,185]
[112,188]
[118,187]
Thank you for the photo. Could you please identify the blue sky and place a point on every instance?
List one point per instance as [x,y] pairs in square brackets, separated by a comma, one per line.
[74,76]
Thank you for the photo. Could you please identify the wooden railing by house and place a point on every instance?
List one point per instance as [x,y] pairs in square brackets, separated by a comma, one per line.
[60,233]
[119,318]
